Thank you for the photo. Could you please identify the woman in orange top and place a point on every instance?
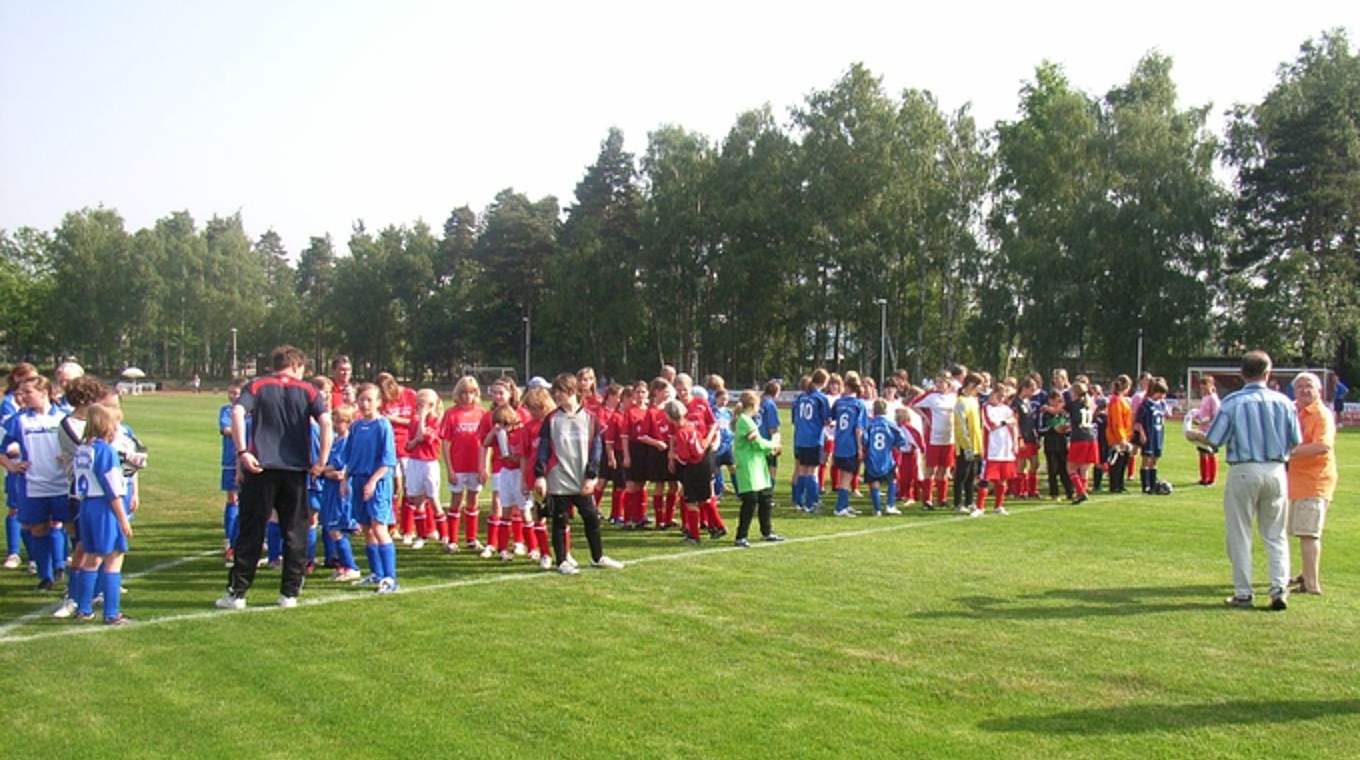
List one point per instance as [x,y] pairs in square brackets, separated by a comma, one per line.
[1119,431]
[1312,478]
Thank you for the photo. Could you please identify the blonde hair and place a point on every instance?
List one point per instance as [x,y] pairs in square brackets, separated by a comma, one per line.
[748,401]
[506,416]
[466,383]
[344,414]
[430,397]
[674,409]
[538,401]
[101,423]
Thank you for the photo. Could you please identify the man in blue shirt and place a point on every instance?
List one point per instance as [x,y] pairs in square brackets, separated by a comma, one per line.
[811,410]
[1259,427]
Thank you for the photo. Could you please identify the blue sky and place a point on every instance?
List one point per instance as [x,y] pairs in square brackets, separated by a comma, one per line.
[308,115]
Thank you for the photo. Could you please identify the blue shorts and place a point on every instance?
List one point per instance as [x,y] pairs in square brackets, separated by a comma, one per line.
[870,478]
[34,510]
[724,458]
[336,513]
[809,456]
[848,464]
[1153,446]
[377,510]
[314,501]
[99,533]
[229,479]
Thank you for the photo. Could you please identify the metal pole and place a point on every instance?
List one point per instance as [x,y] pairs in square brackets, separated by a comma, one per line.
[526,348]
[1140,352]
[882,341]
[233,353]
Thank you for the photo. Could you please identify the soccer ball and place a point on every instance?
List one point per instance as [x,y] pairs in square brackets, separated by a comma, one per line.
[1163,488]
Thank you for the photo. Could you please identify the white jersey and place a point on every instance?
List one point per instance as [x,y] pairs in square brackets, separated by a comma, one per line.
[829,432]
[98,474]
[38,438]
[999,433]
[940,406]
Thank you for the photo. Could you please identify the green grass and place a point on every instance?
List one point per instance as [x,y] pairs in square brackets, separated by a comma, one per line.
[1058,631]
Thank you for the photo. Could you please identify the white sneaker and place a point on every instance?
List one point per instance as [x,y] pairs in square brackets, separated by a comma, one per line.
[67,609]
[607,563]
[346,575]
[474,545]
[976,513]
[847,512]
[545,562]
[12,562]
[397,536]
[892,511]
[507,557]
[368,581]
[1001,511]
[451,547]
[534,555]
[434,536]
[520,550]
[568,569]
[32,567]
[388,586]
[407,540]
[488,552]
[229,602]
[288,602]
[419,543]
[963,510]
[572,561]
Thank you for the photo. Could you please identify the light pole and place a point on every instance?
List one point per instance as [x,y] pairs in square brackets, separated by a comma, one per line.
[233,353]
[882,340]
[527,328]
[1140,353]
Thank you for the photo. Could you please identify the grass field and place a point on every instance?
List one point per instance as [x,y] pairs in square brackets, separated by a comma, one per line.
[1085,631]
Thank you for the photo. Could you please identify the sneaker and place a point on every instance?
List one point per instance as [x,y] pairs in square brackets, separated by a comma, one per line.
[59,575]
[287,602]
[346,575]
[962,509]
[474,545]
[309,568]
[488,552]
[567,568]
[419,543]
[12,562]
[98,600]
[45,586]
[1279,602]
[773,538]
[689,540]
[1240,602]
[368,581]
[451,547]
[66,610]
[1000,511]
[1081,499]
[892,511]
[397,535]
[976,512]
[388,586]
[545,562]
[927,506]
[32,567]
[84,617]
[607,563]
[229,557]
[120,620]
[742,543]
[507,557]
[231,602]
[847,512]
[572,561]
[717,533]
[432,536]
[407,540]
[521,549]
[535,556]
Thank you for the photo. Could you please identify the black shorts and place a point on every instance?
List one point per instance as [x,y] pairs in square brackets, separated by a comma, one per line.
[848,464]
[660,471]
[697,479]
[724,458]
[772,460]
[871,478]
[639,462]
[809,456]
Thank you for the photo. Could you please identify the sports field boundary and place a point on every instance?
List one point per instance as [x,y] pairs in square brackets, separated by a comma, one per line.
[214,614]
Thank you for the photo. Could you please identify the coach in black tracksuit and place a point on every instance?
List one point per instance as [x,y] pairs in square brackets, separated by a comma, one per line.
[274,464]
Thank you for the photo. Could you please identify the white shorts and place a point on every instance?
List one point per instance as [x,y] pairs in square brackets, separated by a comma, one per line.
[422,478]
[465,481]
[510,488]
[1307,516]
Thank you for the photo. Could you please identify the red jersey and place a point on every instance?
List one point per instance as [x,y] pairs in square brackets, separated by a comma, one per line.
[659,426]
[528,446]
[701,414]
[404,407]
[611,423]
[484,429]
[633,423]
[688,448]
[459,429]
[428,448]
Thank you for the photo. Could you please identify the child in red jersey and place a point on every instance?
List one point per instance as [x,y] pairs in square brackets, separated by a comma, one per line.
[636,456]
[422,470]
[539,404]
[508,482]
[658,437]
[690,456]
[504,395]
[458,436]
[699,413]
[398,405]
[1002,433]
[610,419]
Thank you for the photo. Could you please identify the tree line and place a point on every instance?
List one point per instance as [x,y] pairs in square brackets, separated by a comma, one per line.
[1057,237]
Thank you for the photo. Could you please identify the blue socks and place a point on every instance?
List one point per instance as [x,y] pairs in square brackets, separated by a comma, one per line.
[58,549]
[876,498]
[892,494]
[344,554]
[842,499]
[26,538]
[113,593]
[375,560]
[389,559]
[814,490]
[273,538]
[12,539]
[82,590]
[231,520]
[718,482]
[311,543]
[41,553]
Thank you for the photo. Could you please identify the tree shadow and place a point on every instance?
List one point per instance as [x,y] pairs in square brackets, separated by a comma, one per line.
[1131,719]
[1097,602]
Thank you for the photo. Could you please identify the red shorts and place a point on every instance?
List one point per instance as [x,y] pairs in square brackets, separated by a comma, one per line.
[940,456]
[1083,452]
[999,470]
[1027,451]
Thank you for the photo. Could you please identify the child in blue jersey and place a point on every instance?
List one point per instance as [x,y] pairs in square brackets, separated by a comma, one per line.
[767,421]
[42,488]
[847,418]
[337,516]
[1149,429]
[15,534]
[104,525]
[722,417]
[811,410]
[371,458]
[231,511]
[882,437]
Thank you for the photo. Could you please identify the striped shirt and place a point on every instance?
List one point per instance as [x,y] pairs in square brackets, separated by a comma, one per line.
[1256,424]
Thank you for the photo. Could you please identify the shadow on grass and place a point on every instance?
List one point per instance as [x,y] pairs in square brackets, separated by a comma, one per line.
[1132,719]
[1101,602]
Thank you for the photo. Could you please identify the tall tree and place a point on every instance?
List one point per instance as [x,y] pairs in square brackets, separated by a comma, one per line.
[514,251]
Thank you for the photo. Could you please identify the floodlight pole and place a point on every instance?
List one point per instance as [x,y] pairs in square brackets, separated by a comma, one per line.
[882,340]
[233,353]
[527,328]
[1140,353]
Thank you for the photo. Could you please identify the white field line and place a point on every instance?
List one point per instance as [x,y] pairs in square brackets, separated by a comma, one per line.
[78,630]
[48,609]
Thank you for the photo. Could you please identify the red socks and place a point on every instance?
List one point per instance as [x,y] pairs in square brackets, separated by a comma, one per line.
[471,524]
[1000,496]
[616,504]
[981,497]
[941,486]
[711,515]
[691,521]
[517,530]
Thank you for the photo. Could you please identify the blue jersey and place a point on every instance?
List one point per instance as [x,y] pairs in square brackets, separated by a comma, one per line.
[228,445]
[767,418]
[811,410]
[1152,416]
[330,488]
[314,484]
[371,446]
[723,416]
[8,408]
[848,416]
[881,437]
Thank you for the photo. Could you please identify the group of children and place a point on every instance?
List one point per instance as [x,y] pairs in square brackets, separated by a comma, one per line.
[71,485]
